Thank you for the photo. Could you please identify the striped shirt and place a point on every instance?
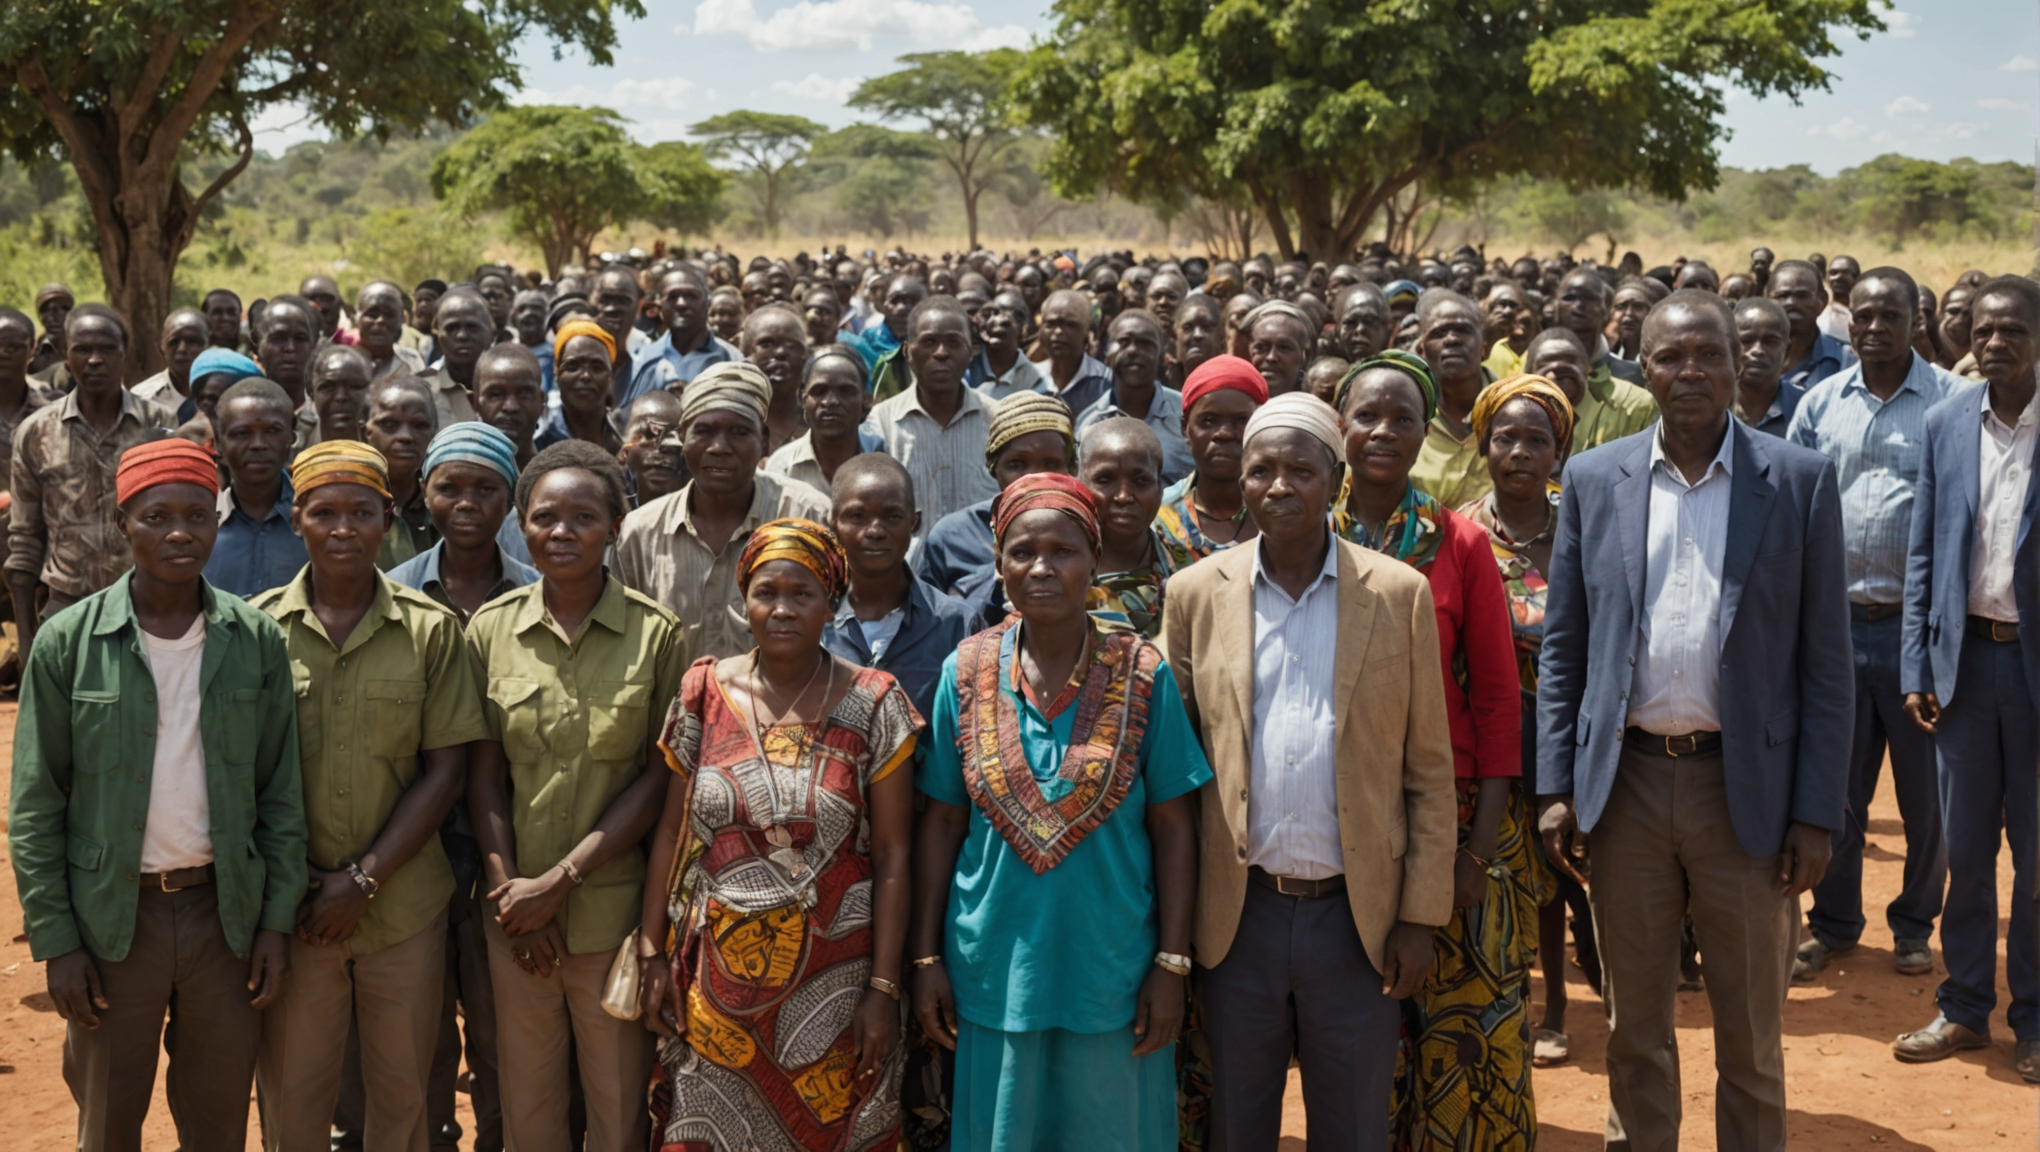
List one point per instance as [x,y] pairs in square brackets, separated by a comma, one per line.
[945,461]
[1164,415]
[1293,813]
[1875,447]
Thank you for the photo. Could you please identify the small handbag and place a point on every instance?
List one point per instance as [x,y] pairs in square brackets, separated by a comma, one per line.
[620,991]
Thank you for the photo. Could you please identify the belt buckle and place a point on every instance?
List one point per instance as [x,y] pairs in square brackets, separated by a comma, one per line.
[1690,742]
[163,882]
[2004,631]
[1282,886]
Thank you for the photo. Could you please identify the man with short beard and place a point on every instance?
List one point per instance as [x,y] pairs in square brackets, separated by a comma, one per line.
[688,348]
[184,337]
[379,332]
[463,330]
[1000,368]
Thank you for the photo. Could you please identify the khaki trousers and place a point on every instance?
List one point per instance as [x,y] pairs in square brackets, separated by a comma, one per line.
[391,996]
[179,964]
[535,1022]
[1665,839]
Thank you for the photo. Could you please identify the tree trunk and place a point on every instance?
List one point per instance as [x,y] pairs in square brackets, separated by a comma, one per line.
[970,213]
[771,203]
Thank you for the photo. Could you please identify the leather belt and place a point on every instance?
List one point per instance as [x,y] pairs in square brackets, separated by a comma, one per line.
[1872,613]
[179,879]
[1292,886]
[1998,631]
[1691,744]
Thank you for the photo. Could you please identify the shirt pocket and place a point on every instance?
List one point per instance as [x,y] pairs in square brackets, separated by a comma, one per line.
[244,723]
[95,730]
[616,719]
[396,710]
[309,726]
[519,701]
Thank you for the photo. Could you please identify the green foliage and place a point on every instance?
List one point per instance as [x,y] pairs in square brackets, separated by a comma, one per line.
[408,245]
[1903,197]
[1323,110]
[885,197]
[562,174]
[767,144]
[684,192]
[1571,218]
[962,97]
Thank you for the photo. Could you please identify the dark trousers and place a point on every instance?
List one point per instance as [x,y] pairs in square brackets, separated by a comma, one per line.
[1837,913]
[1297,980]
[1989,748]
[179,965]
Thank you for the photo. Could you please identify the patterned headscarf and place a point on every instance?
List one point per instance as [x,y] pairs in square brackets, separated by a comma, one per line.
[1025,412]
[1065,494]
[339,462]
[732,386]
[1524,386]
[1303,412]
[473,442]
[583,327]
[168,461]
[1408,364]
[804,542]
[1221,372]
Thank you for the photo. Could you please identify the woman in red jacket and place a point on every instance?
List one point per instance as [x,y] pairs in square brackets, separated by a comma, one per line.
[1476,1000]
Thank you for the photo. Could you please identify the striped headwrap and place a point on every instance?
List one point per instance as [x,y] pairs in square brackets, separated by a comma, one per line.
[1065,494]
[473,442]
[733,386]
[1026,412]
[583,327]
[339,462]
[804,542]
[1524,386]
[1409,364]
[172,460]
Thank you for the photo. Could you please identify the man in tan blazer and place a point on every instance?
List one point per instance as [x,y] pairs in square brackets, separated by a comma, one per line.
[1310,666]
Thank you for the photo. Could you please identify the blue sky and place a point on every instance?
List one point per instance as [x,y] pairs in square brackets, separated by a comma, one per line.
[1950,78]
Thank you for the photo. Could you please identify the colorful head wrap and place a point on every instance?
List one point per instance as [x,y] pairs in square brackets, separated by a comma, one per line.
[173,460]
[804,542]
[583,327]
[216,361]
[1303,412]
[473,442]
[1026,412]
[1524,386]
[733,386]
[1407,363]
[339,462]
[1224,372]
[1065,494]
[1402,290]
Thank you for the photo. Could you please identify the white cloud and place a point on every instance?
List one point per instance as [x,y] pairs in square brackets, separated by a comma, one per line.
[1902,25]
[1907,106]
[2001,104]
[2020,63]
[1844,129]
[1960,130]
[818,88]
[279,126]
[666,95]
[1884,138]
[836,25]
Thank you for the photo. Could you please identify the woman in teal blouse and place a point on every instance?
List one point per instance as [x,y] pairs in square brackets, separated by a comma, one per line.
[1056,868]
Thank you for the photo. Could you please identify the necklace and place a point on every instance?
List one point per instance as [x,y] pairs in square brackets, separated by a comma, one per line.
[775,833]
[758,679]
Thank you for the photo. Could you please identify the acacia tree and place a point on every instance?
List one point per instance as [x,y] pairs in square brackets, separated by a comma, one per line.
[1323,110]
[767,143]
[961,96]
[126,90]
[685,195]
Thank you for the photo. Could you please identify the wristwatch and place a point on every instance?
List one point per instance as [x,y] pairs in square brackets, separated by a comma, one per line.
[362,879]
[1173,962]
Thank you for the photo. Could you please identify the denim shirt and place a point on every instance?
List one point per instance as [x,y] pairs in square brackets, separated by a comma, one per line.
[934,625]
[253,556]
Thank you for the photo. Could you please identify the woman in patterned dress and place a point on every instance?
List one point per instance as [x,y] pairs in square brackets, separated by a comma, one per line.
[1204,512]
[772,955]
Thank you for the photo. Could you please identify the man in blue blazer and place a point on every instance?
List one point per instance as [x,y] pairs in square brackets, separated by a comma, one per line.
[1695,708]
[1970,668]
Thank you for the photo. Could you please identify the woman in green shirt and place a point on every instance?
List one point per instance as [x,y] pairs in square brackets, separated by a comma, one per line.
[578,671]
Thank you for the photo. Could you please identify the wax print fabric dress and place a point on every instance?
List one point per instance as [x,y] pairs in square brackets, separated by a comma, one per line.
[772,923]
[1176,525]
[1051,924]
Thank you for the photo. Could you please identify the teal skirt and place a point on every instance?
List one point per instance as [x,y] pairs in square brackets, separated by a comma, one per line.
[1055,1090]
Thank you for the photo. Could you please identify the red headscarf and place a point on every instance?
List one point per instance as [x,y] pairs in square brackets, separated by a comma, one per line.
[170,461]
[1065,494]
[1224,372]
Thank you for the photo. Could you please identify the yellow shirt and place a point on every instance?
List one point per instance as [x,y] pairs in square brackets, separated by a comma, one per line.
[577,717]
[1610,410]
[1449,469]
[1503,360]
[400,684]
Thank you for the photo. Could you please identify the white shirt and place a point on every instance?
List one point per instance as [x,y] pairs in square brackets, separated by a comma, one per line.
[1835,321]
[2004,465]
[945,461]
[1293,805]
[1676,687]
[179,829]
[879,633]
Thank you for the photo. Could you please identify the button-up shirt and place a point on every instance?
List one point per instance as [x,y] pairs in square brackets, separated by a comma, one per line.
[253,555]
[1676,688]
[658,364]
[946,461]
[1875,446]
[1777,419]
[1826,357]
[959,544]
[63,526]
[1293,805]
[1023,376]
[930,627]
[421,572]
[1093,379]
[2004,468]
[32,399]
[399,685]
[449,396]
[661,554]
[1164,414]
[1609,410]
[1451,469]
[162,391]
[796,458]
[577,717]
[410,532]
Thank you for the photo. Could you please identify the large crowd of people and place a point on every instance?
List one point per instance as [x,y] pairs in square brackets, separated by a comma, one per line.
[1010,703]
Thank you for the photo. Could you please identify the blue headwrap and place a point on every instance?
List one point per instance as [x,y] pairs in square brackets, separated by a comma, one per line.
[473,442]
[215,361]
[1396,290]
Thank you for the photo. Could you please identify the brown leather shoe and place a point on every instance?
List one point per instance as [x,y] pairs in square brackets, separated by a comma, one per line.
[1937,1041]
[2026,1058]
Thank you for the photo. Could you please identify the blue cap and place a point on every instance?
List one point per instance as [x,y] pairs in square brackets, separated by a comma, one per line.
[1397,289]
[214,361]
[473,442]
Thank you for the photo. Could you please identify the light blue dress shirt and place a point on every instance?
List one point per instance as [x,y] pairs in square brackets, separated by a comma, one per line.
[1676,689]
[1164,415]
[1293,812]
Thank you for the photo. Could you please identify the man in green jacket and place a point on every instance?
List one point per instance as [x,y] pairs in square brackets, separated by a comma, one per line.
[156,825]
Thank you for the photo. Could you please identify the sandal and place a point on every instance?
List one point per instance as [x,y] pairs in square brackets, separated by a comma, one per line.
[1549,1049]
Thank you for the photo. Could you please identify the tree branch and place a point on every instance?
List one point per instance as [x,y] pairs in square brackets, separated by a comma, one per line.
[220,182]
[168,138]
[142,96]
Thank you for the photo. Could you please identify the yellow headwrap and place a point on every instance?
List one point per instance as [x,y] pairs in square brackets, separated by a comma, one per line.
[582,327]
[339,462]
[1026,412]
[804,542]
[1524,386]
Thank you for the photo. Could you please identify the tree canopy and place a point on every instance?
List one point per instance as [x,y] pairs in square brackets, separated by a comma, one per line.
[768,144]
[961,96]
[1322,111]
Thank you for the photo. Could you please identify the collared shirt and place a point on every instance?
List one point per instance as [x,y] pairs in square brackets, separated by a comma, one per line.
[400,684]
[946,462]
[577,717]
[403,362]
[1023,376]
[929,627]
[660,555]
[2004,468]
[1875,446]
[1164,415]
[162,391]
[411,531]
[1834,321]
[449,396]
[1826,357]
[1503,360]
[1610,410]
[892,374]
[658,364]
[1450,469]
[959,544]
[64,522]
[1619,367]
[552,429]
[252,555]
[421,573]
[796,458]
[1293,813]
[1676,688]
[1093,379]
[1777,419]
[32,398]
[872,341]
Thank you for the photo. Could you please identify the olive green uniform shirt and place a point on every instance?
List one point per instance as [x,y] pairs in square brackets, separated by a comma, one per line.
[399,685]
[1450,470]
[577,718]
[1610,410]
